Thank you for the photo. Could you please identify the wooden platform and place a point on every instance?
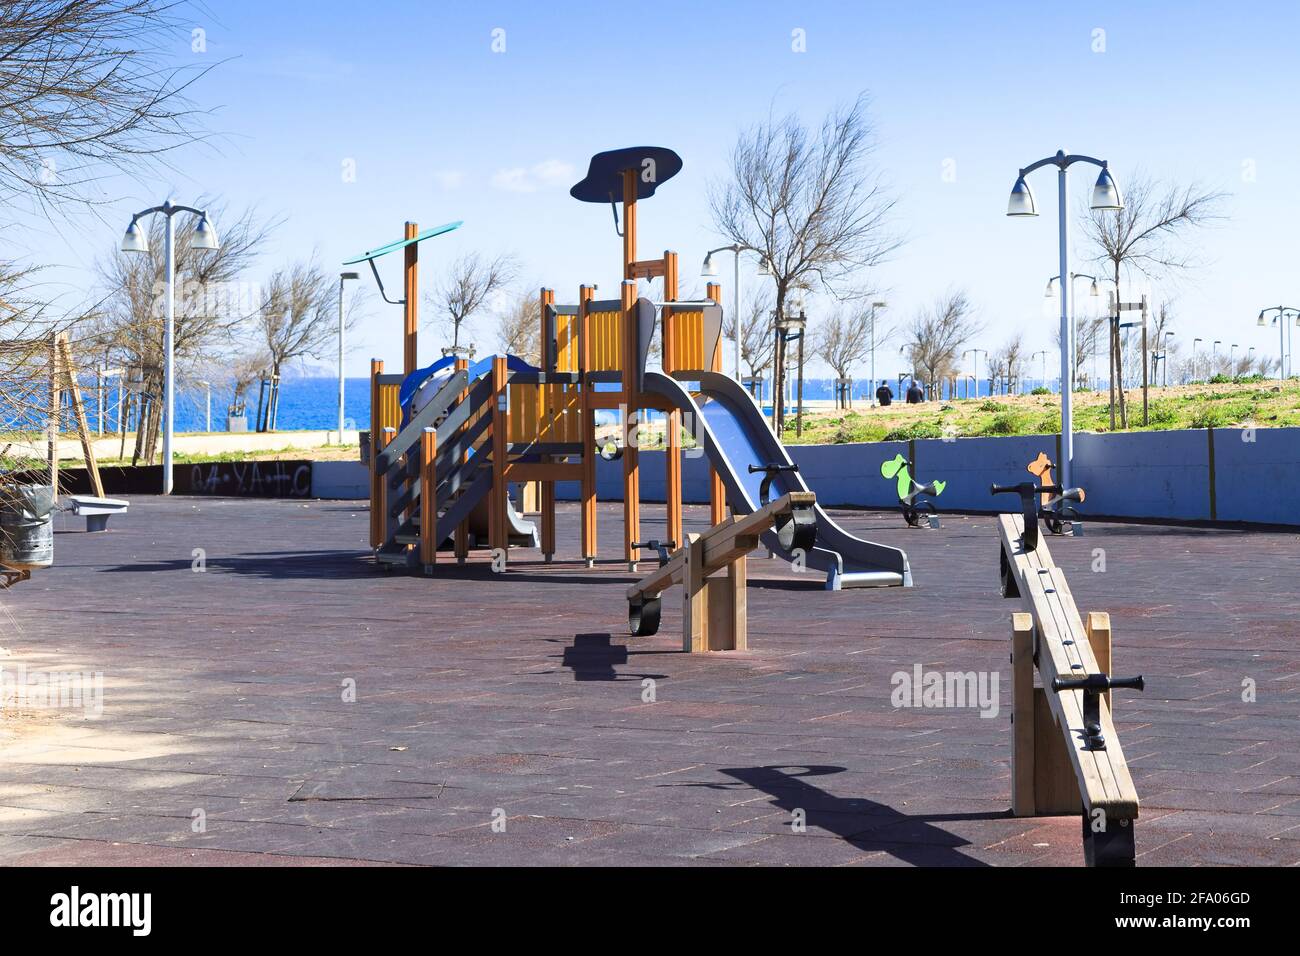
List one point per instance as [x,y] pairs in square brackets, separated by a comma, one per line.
[224,692]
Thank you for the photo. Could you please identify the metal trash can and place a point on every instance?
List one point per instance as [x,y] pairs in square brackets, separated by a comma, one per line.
[27,526]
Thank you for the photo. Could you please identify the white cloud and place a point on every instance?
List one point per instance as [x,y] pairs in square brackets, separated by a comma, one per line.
[528,179]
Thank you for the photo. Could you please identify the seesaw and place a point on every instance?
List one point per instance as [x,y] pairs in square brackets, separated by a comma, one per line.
[910,492]
[1066,755]
[1055,509]
[714,616]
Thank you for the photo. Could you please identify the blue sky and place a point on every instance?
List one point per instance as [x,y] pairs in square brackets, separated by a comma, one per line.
[441,128]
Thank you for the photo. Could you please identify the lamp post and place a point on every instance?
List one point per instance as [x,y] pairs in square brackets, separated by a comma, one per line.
[874,307]
[976,353]
[1105,195]
[1093,292]
[1214,358]
[1043,353]
[1164,357]
[136,240]
[792,328]
[1283,362]
[1195,342]
[343,277]
[708,270]
[208,386]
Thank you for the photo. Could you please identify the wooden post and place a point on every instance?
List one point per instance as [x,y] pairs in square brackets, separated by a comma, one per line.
[498,534]
[386,435]
[548,362]
[428,499]
[695,602]
[631,406]
[588,493]
[79,413]
[629,221]
[673,443]
[376,482]
[411,305]
[717,492]
[55,412]
[1022,714]
[1098,628]
[461,542]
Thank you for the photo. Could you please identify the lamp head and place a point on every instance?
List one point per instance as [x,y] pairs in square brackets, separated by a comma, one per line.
[709,268]
[205,237]
[1021,202]
[343,276]
[135,240]
[764,268]
[1093,290]
[1105,195]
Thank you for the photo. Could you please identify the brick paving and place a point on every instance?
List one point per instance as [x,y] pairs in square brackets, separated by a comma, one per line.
[521,697]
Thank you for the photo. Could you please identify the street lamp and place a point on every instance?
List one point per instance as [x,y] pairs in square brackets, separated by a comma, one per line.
[709,269]
[1164,356]
[977,365]
[792,327]
[343,277]
[874,307]
[1194,344]
[1043,353]
[135,240]
[1284,370]
[1105,195]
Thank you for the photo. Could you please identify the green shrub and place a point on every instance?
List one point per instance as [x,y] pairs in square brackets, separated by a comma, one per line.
[914,431]
[988,405]
[1209,417]
[1041,390]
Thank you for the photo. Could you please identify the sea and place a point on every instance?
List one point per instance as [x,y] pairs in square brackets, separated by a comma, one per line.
[311,403]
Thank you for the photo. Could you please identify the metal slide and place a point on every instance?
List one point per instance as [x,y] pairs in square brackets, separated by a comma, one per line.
[735,436]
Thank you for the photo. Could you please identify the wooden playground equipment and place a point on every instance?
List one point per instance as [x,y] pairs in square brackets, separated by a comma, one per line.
[539,425]
[1067,757]
[60,383]
[712,570]
[1056,510]
[503,422]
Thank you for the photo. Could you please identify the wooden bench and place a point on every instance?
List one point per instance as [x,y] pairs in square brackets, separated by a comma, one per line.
[714,615]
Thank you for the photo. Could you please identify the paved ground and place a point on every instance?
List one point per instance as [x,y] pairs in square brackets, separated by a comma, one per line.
[225,736]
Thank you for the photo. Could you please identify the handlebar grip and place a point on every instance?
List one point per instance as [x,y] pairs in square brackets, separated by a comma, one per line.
[755,469]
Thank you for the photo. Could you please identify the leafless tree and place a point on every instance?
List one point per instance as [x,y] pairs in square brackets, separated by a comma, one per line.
[811,203]
[845,337]
[519,328]
[1147,238]
[468,286]
[933,341]
[212,305]
[84,91]
[1089,332]
[1006,364]
[757,337]
[298,319]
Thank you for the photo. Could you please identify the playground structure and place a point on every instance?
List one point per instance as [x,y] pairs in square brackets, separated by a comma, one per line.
[1066,756]
[910,493]
[502,421]
[26,541]
[714,607]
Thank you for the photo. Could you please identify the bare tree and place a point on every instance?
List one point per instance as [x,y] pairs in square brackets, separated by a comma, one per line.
[211,305]
[845,338]
[1145,238]
[1006,364]
[84,91]
[1089,332]
[469,285]
[519,329]
[757,338]
[809,202]
[934,339]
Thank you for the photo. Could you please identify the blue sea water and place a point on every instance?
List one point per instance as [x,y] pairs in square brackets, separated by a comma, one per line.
[312,403]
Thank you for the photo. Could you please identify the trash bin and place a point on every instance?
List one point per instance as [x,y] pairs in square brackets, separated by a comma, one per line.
[27,526]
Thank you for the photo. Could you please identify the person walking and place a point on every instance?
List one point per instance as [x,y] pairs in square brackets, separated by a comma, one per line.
[915,394]
[884,395]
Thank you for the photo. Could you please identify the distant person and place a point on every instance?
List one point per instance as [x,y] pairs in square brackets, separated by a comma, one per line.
[915,394]
[884,395]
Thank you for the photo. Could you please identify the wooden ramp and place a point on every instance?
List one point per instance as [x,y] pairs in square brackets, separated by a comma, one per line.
[1067,757]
